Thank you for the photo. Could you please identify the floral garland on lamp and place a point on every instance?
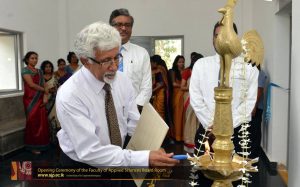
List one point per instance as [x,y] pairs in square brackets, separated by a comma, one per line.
[204,141]
[193,175]
[243,134]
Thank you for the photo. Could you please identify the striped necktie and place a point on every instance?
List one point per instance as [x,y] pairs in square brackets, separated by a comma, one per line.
[111,117]
[120,68]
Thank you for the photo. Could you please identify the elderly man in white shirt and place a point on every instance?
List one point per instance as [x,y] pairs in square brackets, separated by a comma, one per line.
[205,78]
[85,136]
[136,61]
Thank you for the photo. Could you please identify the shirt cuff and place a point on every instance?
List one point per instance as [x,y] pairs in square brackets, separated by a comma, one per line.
[140,158]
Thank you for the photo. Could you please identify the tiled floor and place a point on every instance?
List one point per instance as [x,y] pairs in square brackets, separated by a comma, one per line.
[261,179]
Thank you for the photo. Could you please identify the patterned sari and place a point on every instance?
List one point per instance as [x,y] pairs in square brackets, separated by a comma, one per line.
[37,128]
[51,110]
[62,79]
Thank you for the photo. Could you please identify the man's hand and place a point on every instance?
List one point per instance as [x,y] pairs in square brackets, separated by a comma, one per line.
[211,137]
[209,132]
[159,158]
[45,100]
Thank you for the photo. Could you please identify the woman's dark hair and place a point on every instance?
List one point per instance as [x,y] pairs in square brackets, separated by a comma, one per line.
[195,57]
[71,53]
[59,61]
[43,66]
[27,56]
[157,59]
[175,67]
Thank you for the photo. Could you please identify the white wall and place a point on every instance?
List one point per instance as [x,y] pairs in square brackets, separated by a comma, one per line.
[193,18]
[50,26]
[294,131]
[274,28]
[38,20]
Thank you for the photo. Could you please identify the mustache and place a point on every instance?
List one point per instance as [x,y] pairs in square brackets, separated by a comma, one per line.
[124,32]
[110,74]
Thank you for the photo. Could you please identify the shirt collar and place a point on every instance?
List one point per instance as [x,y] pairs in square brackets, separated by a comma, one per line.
[95,84]
[126,46]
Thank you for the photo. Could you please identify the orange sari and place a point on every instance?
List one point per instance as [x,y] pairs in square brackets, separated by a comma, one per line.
[159,96]
[178,113]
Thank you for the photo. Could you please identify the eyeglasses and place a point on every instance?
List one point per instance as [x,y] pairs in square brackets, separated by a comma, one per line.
[108,61]
[120,25]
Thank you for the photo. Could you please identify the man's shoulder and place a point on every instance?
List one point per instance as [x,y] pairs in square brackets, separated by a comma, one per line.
[72,87]
[136,47]
[206,61]
[215,57]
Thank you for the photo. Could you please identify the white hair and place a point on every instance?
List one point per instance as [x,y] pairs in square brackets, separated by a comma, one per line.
[97,35]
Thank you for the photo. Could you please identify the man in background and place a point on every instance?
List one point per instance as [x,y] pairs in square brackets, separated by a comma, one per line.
[205,78]
[255,128]
[136,61]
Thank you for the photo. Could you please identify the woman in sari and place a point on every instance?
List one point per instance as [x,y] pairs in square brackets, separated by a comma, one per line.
[61,74]
[159,86]
[51,84]
[191,122]
[34,99]
[73,63]
[177,97]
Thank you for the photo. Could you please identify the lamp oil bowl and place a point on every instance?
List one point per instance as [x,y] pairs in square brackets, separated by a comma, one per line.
[223,177]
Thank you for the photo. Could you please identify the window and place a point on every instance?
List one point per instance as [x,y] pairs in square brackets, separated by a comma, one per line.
[168,47]
[10,61]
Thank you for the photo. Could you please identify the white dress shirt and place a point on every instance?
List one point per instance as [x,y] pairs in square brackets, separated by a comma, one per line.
[136,65]
[205,78]
[84,134]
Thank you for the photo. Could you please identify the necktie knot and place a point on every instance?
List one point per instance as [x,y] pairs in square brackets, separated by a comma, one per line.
[121,49]
[106,87]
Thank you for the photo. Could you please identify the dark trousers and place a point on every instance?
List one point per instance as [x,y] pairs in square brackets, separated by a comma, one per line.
[255,133]
[65,161]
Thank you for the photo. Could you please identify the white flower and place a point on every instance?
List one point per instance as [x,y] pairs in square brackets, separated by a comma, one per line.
[196,157]
[192,183]
[194,176]
[193,170]
[244,153]
[193,163]
[243,170]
